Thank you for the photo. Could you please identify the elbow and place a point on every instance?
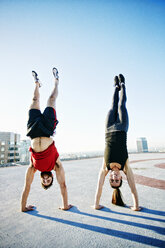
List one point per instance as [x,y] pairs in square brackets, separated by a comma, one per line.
[63,187]
[133,190]
[26,190]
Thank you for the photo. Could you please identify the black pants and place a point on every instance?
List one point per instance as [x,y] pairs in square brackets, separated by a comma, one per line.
[117,118]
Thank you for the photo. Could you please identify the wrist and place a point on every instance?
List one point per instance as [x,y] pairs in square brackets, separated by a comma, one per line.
[23,209]
[96,206]
[65,206]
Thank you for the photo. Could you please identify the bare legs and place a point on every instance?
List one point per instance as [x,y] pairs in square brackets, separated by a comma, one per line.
[52,99]
[36,97]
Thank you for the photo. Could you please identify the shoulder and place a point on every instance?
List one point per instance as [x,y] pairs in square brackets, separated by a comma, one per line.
[104,168]
[30,173]
[31,167]
[58,164]
[126,166]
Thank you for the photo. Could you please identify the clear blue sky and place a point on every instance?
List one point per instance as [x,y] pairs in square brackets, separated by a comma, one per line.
[89,42]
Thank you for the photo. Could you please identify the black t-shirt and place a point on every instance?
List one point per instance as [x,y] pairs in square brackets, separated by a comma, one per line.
[116,148]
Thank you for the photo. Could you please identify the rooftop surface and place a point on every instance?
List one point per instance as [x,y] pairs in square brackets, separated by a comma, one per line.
[82,226]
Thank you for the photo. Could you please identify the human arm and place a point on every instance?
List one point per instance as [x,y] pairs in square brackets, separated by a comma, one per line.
[60,175]
[102,174]
[28,181]
[131,182]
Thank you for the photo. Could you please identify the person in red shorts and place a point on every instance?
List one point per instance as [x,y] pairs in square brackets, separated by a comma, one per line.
[44,154]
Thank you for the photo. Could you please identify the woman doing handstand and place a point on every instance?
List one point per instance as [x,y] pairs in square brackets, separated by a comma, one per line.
[116,154]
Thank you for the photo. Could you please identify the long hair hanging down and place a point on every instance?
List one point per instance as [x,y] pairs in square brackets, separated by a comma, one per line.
[117,197]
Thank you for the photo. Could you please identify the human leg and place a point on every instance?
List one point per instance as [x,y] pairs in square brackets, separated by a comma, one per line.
[113,112]
[49,115]
[123,114]
[34,113]
[36,95]
[52,99]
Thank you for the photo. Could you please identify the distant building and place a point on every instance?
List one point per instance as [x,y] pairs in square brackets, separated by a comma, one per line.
[142,145]
[24,151]
[9,147]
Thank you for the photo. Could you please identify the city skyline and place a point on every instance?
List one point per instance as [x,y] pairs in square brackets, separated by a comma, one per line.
[13,150]
[89,42]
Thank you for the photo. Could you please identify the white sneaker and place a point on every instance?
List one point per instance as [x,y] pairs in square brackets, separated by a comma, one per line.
[55,73]
[35,75]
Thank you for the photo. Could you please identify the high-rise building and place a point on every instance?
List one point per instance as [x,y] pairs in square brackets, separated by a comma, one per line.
[142,145]
[24,151]
[9,147]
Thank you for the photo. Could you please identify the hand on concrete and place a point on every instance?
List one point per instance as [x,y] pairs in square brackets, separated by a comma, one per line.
[98,207]
[66,208]
[28,208]
[136,208]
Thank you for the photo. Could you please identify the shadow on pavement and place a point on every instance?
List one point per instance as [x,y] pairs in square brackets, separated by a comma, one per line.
[111,232]
[157,229]
[144,210]
[151,211]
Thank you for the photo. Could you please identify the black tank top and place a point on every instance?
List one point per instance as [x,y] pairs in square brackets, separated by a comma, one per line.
[116,148]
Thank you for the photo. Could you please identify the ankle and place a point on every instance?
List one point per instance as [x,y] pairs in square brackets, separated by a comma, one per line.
[37,82]
[117,87]
[56,82]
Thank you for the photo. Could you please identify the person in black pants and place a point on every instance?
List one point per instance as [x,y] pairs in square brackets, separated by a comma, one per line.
[116,154]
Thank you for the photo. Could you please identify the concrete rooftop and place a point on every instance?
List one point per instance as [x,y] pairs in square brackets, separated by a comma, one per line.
[83,226]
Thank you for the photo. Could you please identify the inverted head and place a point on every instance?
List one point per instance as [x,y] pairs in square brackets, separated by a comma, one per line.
[115,178]
[46,179]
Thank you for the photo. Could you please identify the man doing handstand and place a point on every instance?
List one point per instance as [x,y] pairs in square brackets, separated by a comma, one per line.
[44,155]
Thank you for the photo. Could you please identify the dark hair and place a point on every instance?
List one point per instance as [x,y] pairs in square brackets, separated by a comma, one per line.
[117,196]
[49,173]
